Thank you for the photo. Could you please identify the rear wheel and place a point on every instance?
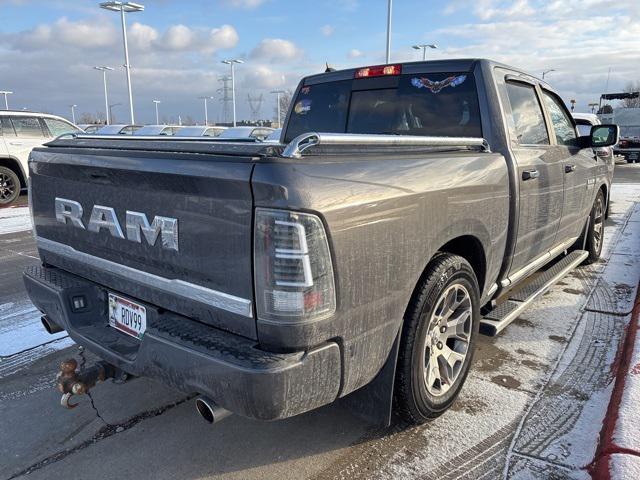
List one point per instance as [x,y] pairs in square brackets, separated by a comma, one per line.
[438,339]
[9,186]
[595,232]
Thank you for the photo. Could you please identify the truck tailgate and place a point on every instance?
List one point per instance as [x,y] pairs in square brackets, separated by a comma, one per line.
[207,277]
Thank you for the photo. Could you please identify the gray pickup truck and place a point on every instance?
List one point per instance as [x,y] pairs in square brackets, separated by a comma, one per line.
[403,212]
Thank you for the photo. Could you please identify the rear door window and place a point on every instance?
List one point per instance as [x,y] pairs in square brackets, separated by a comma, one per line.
[527,114]
[28,127]
[562,124]
[435,104]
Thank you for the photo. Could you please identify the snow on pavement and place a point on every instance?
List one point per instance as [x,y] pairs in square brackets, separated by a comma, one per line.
[14,219]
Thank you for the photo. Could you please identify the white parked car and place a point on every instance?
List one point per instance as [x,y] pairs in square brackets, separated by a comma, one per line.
[20,132]
[158,130]
[246,133]
[118,129]
[200,131]
[584,122]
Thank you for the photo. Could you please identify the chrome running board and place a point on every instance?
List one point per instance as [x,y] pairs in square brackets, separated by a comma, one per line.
[500,317]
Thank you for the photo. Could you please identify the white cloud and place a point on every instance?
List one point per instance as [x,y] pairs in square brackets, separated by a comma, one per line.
[221,38]
[327,30]
[84,33]
[142,37]
[246,4]
[262,77]
[355,53]
[178,37]
[276,50]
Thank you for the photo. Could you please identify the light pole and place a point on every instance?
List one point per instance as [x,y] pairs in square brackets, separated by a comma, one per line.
[106,96]
[278,93]
[73,113]
[232,62]
[156,102]
[125,7]
[111,111]
[206,109]
[6,102]
[424,47]
[547,71]
[389,9]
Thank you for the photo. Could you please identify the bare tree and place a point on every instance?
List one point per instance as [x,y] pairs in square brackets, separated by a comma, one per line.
[632,87]
[285,101]
[88,118]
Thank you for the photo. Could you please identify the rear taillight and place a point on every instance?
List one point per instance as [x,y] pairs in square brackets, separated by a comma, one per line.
[624,143]
[378,71]
[293,269]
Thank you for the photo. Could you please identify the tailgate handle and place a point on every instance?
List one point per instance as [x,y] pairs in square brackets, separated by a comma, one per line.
[530,174]
[569,168]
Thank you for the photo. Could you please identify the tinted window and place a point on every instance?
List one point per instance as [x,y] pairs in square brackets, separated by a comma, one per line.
[562,124]
[27,126]
[7,128]
[59,127]
[440,104]
[527,115]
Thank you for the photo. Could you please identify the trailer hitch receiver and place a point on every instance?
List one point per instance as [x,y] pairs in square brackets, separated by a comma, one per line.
[71,381]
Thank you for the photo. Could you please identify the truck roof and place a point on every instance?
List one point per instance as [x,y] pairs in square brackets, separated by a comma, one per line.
[452,65]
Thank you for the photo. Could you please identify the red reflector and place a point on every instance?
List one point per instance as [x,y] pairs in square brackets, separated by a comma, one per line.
[378,71]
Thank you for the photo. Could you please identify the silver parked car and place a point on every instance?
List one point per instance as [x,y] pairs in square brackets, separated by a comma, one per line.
[158,130]
[200,131]
[246,133]
[118,129]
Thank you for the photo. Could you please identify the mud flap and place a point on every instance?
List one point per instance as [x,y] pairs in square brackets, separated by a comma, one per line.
[373,403]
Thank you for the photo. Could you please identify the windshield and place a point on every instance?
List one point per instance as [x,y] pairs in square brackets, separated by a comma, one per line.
[153,130]
[191,132]
[439,104]
[630,131]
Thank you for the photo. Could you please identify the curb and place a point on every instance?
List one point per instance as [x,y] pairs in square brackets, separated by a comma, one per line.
[609,453]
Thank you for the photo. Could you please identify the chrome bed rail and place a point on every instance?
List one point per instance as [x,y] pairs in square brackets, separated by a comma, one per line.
[298,145]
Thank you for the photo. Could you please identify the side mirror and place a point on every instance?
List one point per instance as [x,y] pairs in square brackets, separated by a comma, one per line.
[604,135]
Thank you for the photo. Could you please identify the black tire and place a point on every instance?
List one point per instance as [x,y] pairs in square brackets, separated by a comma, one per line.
[9,186]
[595,232]
[413,400]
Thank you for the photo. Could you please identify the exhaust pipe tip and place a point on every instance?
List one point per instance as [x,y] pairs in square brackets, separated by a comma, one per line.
[50,326]
[211,412]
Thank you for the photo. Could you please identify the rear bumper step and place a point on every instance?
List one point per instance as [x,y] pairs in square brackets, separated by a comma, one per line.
[190,356]
[505,313]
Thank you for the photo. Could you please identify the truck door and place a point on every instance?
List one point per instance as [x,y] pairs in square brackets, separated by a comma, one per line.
[579,169]
[539,174]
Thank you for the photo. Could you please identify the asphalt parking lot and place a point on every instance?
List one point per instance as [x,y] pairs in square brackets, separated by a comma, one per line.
[532,407]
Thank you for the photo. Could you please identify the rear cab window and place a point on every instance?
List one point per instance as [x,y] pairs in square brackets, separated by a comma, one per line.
[429,104]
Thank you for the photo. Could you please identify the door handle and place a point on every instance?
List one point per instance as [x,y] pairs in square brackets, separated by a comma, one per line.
[569,168]
[530,174]
[17,144]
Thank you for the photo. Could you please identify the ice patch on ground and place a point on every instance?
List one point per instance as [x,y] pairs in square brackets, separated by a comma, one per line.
[21,329]
[14,219]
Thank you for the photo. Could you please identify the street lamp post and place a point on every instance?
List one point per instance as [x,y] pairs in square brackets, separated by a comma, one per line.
[73,113]
[232,62]
[6,102]
[111,111]
[125,7]
[424,47]
[104,70]
[278,93]
[156,102]
[206,109]
[547,71]
[389,9]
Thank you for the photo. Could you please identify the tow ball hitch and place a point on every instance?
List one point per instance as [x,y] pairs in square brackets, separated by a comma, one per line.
[71,381]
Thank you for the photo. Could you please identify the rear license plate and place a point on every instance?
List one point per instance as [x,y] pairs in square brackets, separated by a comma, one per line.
[127,316]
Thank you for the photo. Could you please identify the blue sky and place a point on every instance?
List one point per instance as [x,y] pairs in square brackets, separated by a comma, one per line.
[47,48]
